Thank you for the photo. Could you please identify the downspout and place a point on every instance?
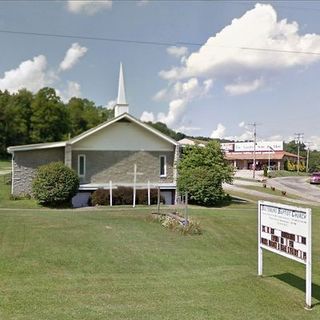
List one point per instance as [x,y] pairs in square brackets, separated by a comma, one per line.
[12,171]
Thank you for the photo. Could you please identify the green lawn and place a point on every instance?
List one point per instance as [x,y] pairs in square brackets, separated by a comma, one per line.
[5,165]
[268,190]
[284,173]
[6,202]
[118,264]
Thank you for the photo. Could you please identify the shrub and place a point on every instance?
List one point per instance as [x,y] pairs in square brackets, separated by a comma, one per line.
[192,227]
[100,197]
[124,196]
[265,171]
[55,184]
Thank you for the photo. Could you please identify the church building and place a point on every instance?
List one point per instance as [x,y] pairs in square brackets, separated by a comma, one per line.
[120,152]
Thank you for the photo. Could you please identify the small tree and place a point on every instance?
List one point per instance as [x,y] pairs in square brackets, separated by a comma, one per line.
[201,172]
[55,184]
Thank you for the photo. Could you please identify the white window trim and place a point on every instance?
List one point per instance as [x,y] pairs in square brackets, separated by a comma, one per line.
[165,166]
[84,165]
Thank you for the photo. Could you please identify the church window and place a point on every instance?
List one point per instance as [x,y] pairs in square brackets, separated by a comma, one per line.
[163,166]
[81,165]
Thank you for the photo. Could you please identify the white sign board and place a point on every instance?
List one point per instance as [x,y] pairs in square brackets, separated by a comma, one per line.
[260,146]
[286,230]
[227,147]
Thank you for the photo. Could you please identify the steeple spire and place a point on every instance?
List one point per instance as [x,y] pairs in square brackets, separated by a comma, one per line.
[121,90]
[122,105]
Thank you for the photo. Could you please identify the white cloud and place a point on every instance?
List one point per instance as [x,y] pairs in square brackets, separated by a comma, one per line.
[73,55]
[31,74]
[247,134]
[314,142]
[176,110]
[110,104]
[243,87]
[219,132]
[177,51]
[160,95]
[147,116]
[141,3]
[226,57]
[179,94]
[223,54]
[88,7]
[187,129]
[73,90]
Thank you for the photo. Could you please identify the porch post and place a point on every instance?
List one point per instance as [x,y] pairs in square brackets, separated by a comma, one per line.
[175,169]
[68,155]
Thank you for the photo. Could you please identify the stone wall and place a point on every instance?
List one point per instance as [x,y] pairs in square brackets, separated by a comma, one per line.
[26,163]
[103,166]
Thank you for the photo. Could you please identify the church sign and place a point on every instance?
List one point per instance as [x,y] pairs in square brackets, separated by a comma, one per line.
[285,230]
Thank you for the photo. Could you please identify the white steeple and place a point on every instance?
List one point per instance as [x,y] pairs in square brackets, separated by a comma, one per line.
[122,105]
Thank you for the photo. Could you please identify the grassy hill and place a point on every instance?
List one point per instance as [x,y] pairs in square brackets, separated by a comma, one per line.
[119,264]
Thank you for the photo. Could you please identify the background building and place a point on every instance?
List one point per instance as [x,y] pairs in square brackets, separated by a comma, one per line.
[267,153]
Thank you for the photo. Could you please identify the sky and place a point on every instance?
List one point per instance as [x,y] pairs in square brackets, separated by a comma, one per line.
[205,68]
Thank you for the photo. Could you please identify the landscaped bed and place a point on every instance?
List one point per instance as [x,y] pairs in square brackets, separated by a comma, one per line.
[120,264]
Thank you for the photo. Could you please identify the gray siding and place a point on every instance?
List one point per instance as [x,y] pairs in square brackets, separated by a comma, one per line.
[103,166]
[26,163]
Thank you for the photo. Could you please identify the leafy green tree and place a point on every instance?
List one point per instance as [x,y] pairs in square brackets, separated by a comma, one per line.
[50,119]
[162,127]
[292,147]
[4,126]
[19,118]
[85,115]
[314,161]
[201,172]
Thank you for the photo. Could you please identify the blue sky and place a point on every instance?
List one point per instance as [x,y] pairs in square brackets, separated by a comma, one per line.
[247,67]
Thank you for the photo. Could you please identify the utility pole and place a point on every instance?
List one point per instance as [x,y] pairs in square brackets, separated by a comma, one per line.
[307,144]
[254,124]
[298,138]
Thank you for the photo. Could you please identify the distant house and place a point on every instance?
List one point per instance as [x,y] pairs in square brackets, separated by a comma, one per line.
[192,142]
[104,154]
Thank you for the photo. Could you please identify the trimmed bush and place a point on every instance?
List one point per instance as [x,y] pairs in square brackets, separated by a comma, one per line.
[124,196]
[55,184]
[100,197]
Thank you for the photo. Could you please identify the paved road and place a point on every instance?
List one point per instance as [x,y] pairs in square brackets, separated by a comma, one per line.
[265,196]
[297,185]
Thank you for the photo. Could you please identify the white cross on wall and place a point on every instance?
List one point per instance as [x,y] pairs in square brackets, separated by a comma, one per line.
[134,173]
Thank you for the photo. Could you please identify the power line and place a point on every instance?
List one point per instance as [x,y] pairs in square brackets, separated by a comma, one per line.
[156,43]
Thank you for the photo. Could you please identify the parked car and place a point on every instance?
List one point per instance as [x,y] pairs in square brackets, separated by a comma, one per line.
[315,178]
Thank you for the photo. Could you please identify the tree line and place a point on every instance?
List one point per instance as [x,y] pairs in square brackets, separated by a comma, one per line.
[27,117]
[313,155]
